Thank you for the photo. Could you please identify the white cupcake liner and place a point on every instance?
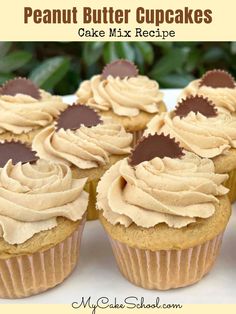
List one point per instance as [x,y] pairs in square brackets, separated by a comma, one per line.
[166,269]
[25,275]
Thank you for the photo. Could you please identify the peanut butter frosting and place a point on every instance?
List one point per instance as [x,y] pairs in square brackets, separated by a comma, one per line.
[221,96]
[125,97]
[22,113]
[32,196]
[205,136]
[85,147]
[172,191]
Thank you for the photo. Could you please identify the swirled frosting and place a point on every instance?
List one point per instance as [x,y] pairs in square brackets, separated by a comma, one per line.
[221,97]
[33,196]
[125,97]
[85,147]
[22,113]
[171,191]
[206,137]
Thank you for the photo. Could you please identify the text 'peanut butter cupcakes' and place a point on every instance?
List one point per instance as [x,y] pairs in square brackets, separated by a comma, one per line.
[205,130]
[42,214]
[87,143]
[121,93]
[25,110]
[165,211]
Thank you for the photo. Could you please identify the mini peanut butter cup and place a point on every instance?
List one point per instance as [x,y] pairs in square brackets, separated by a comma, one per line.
[77,115]
[155,146]
[120,68]
[195,104]
[20,85]
[217,78]
[17,152]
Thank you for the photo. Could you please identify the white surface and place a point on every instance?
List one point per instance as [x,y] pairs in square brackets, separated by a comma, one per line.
[97,274]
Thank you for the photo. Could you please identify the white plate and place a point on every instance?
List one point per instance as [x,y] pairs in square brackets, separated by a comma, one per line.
[97,274]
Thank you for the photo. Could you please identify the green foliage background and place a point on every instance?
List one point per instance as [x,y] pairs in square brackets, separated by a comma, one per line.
[60,66]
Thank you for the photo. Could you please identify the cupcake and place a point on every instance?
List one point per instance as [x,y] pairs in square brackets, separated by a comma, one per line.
[205,130]
[217,85]
[124,95]
[87,143]
[25,110]
[165,211]
[42,215]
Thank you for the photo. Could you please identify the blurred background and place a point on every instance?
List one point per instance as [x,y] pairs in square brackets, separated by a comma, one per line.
[59,67]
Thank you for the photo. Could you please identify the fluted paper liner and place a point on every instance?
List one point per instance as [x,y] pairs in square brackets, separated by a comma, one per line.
[166,269]
[91,188]
[26,275]
[231,185]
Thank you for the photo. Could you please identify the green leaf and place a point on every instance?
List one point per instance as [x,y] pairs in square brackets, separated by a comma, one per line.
[4,48]
[213,54]
[139,60]
[172,61]
[14,61]
[124,50]
[110,53]
[175,80]
[92,51]
[68,84]
[193,61]
[233,47]
[190,44]
[91,70]
[50,72]
[5,77]
[164,45]
[146,50]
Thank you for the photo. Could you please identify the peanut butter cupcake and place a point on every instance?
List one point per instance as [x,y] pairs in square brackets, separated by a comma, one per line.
[25,110]
[87,143]
[42,214]
[165,211]
[205,130]
[217,85]
[121,93]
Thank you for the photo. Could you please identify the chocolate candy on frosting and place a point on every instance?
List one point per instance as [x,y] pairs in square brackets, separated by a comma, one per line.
[195,104]
[120,68]
[17,152]
[155,146]
[217,79]
[77,115]
[20,86]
